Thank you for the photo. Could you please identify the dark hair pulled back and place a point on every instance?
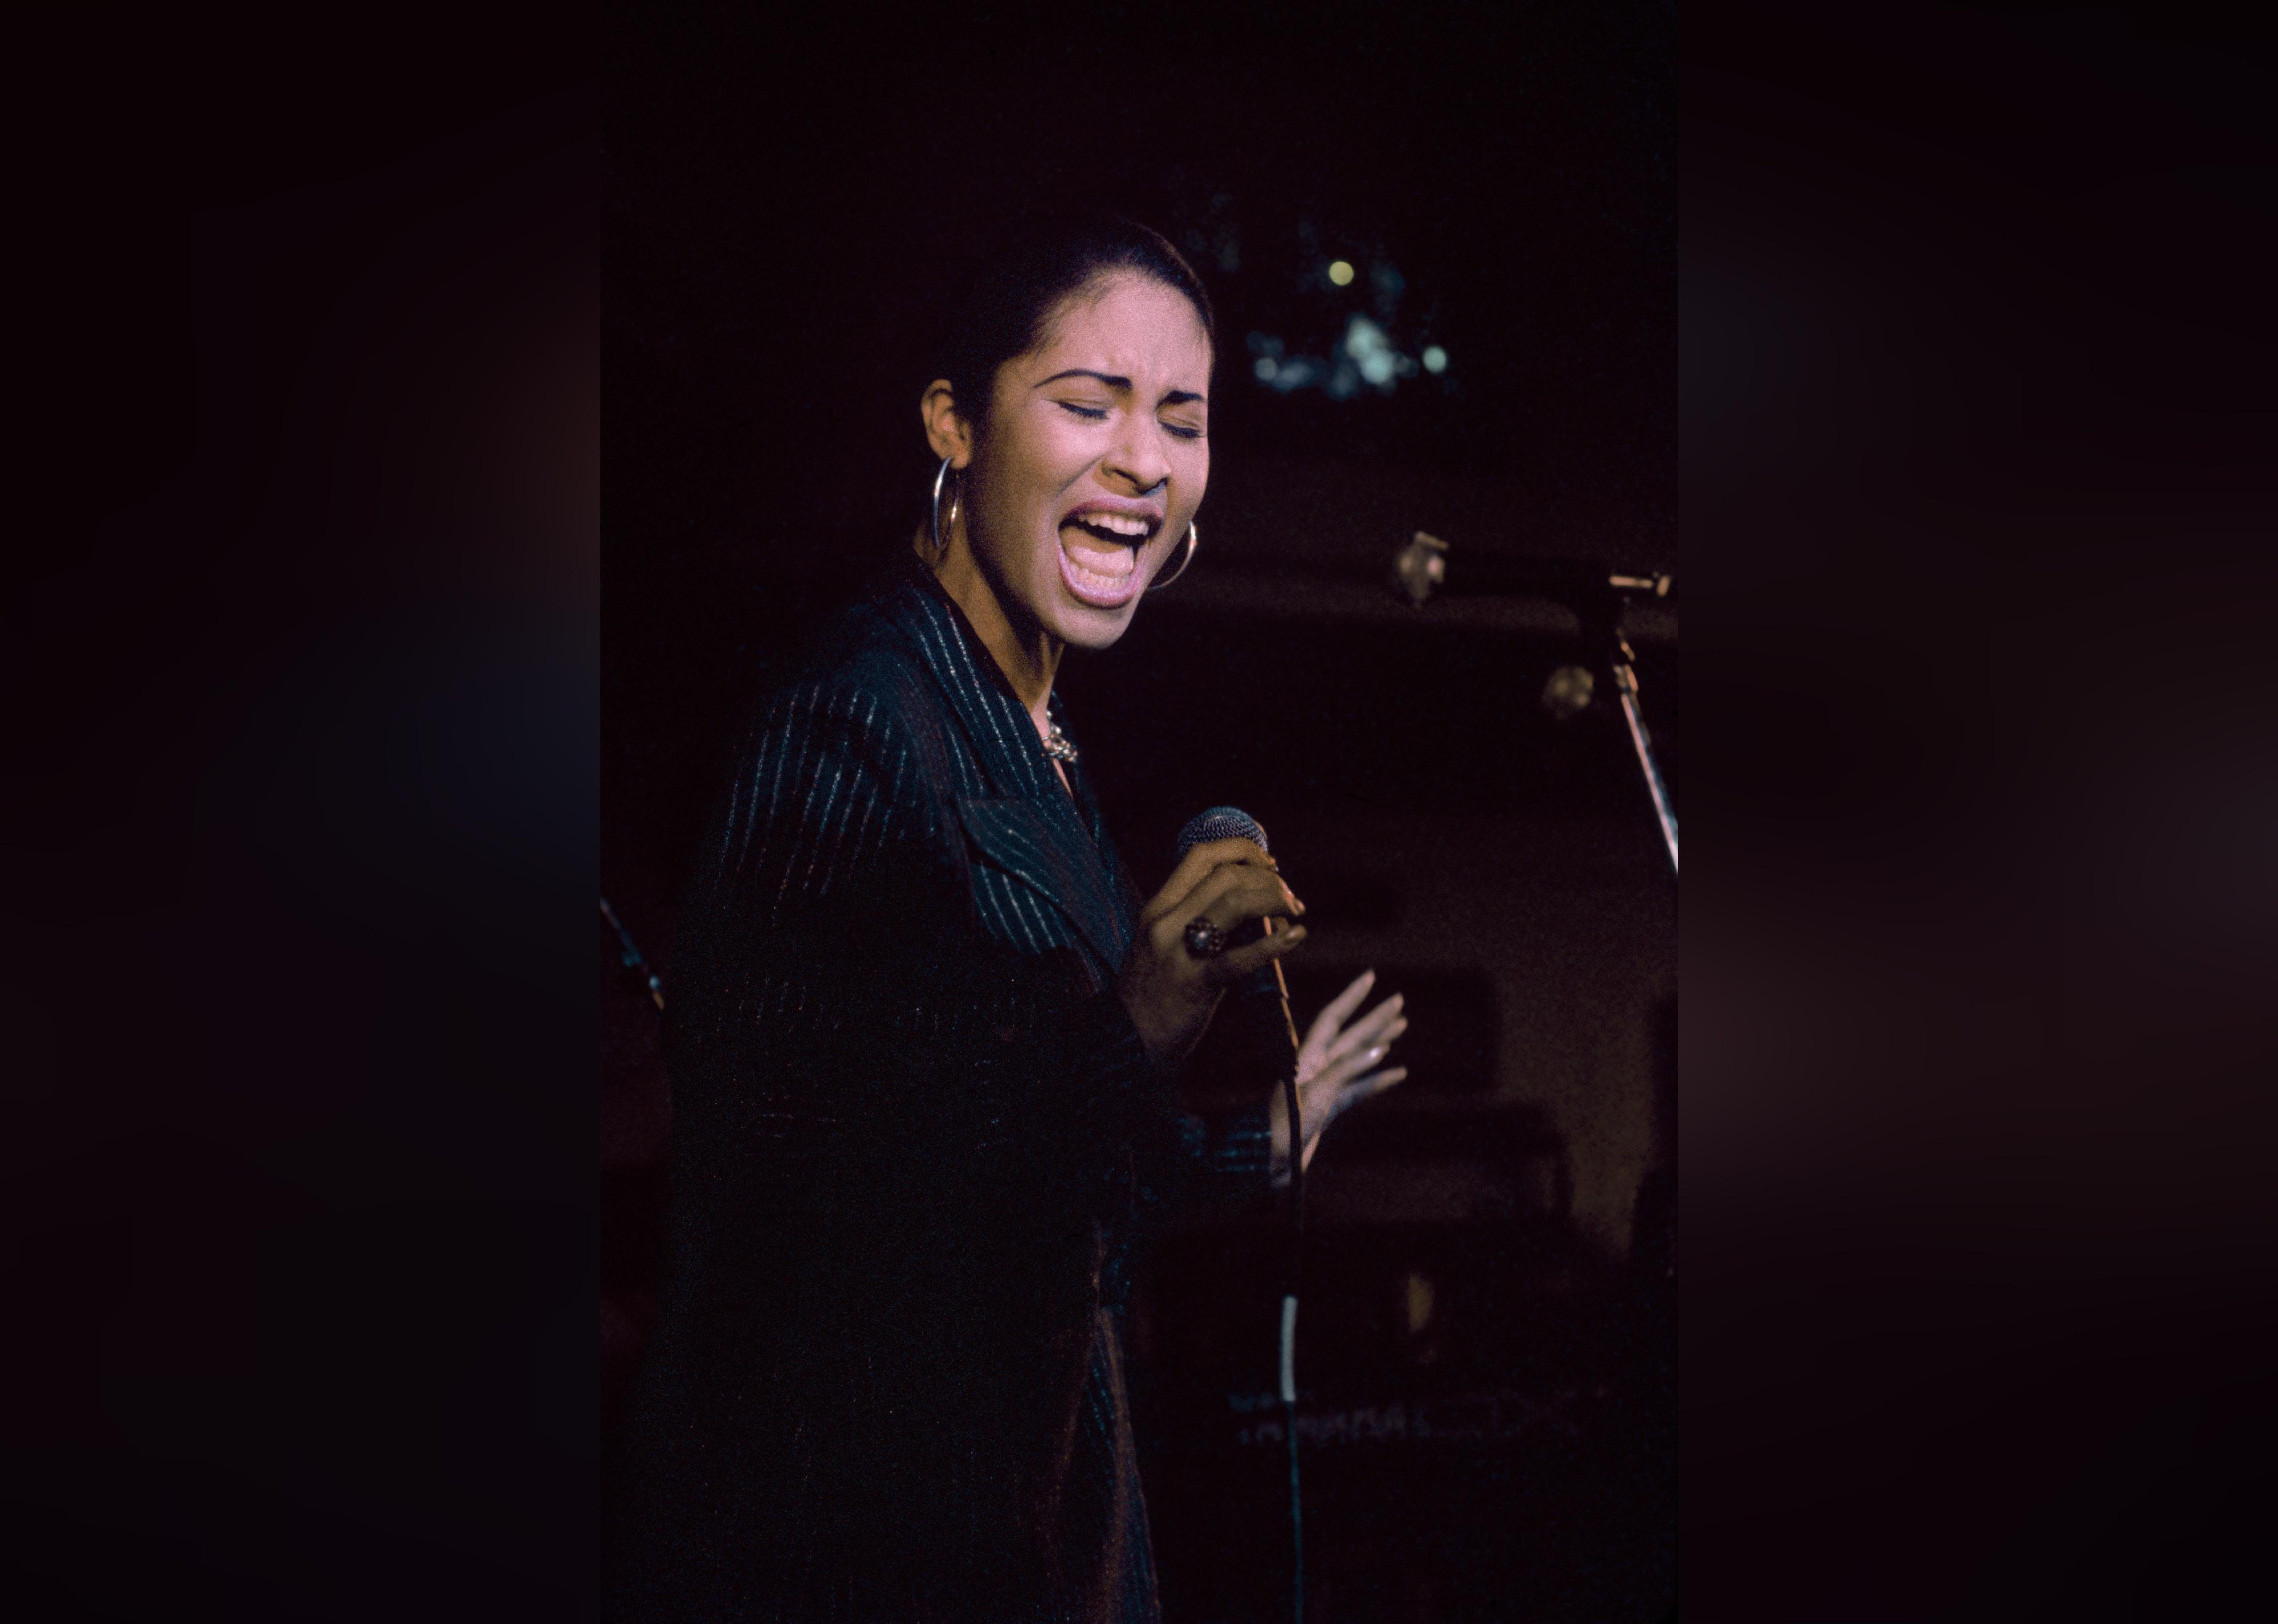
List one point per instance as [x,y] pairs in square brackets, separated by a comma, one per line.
[1019,277]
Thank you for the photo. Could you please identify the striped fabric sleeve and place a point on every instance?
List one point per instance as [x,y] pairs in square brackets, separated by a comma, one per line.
[1240,1146]
[828,785]
[851,950]
[1229,1165]
[1230,1156]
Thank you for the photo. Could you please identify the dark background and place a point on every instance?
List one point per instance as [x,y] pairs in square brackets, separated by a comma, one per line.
[780,199]
[1977,1119]
[298,639]
[298,1196]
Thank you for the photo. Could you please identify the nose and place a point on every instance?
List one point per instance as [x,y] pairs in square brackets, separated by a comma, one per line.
[1138,457]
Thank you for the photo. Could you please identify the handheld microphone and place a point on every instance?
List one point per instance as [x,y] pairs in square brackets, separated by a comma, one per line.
[1221,823]
[1233,823]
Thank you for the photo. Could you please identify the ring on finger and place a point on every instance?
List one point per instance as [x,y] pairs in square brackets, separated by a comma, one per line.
[1204,938]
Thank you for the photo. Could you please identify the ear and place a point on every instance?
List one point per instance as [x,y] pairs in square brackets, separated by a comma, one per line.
[946,430]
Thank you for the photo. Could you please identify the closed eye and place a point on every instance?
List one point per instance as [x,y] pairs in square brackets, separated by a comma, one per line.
[1098,414]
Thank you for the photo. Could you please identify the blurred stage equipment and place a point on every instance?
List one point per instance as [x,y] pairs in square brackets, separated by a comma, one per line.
[630,956]
[1425,570]
[1595,591]
[1232,823]
[1568,692]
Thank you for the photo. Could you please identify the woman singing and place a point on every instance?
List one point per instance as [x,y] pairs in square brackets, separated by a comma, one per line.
[926,1036]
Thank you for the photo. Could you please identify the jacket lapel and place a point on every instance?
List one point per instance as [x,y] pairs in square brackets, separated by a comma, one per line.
[1021,819]
[1017,837]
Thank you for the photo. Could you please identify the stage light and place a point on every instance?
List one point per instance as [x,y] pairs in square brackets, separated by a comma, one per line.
[1297,372]
[1371,349]
[1420,1294]
[1435,359]
[1265,368]
[1340,272]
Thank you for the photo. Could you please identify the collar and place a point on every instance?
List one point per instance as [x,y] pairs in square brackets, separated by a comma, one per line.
[1056,852]
[1003,733]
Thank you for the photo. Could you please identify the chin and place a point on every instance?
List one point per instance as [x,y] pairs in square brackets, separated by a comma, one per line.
[1083,627]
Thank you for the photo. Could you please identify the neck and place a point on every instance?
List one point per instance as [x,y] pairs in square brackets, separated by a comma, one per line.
[1024,652]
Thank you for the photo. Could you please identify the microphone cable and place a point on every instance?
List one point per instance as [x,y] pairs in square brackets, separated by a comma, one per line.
[1289,1304]
[1223,823]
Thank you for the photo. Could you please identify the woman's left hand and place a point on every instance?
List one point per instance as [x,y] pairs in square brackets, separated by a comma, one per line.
[1335,1068]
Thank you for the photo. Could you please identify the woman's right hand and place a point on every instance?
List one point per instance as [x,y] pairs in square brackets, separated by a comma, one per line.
[1169,993]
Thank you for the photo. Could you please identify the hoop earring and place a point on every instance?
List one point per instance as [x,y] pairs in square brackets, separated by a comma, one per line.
[1194,542]
[934,533]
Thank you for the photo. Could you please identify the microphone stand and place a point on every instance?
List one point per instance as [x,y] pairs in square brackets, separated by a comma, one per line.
[1593,592]
[1600,614]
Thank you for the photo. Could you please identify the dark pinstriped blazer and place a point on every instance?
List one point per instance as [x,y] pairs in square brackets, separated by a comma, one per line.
[916,1139]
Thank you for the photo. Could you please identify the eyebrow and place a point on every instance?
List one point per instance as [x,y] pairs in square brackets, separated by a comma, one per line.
[1176,397]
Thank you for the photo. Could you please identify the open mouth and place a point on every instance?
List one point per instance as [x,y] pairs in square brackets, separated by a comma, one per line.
[1100,555]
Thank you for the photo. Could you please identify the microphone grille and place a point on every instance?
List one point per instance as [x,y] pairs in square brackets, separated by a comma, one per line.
[1221,823]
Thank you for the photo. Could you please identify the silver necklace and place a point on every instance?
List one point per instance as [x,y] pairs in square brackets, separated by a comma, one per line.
[1056,745]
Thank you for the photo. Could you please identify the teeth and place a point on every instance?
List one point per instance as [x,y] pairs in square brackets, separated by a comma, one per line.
[1114,524]
[1097,581]
[1099,565]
